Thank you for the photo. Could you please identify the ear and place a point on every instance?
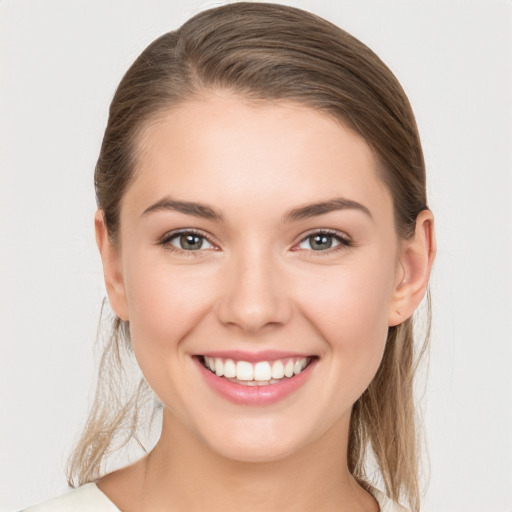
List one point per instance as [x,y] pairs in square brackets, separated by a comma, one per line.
[415,260]
[112,269]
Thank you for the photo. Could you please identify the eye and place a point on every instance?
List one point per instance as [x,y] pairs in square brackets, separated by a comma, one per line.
[187,241]
[322,241]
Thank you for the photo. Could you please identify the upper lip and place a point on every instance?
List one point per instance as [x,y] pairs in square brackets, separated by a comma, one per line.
[252,357]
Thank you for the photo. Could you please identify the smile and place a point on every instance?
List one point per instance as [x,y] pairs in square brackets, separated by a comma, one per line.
[260,373]
[255,379]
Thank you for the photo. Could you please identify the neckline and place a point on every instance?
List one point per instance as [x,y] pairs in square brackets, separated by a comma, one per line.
[379,496]
[101,494]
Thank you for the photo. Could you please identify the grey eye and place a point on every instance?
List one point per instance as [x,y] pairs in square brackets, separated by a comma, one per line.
[190,242]
[319,242]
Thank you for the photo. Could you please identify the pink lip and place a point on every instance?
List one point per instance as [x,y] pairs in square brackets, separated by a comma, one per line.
[253,357]
[254,395]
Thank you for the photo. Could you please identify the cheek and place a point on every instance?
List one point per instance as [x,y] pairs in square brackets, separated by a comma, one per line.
[350,312]
[350,299]
[165,303]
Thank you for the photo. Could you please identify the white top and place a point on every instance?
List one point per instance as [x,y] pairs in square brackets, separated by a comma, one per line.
[88,498]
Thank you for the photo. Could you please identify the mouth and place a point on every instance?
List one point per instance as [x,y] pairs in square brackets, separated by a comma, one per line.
[256,373]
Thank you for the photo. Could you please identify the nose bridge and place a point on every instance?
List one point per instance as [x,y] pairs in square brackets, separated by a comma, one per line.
[255,293]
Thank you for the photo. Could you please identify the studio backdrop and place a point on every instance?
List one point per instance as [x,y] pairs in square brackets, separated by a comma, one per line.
[60,63]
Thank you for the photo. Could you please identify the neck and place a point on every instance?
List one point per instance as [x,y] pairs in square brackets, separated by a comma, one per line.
[182,473]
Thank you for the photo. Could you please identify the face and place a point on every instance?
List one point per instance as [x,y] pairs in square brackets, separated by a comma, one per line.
[257,267]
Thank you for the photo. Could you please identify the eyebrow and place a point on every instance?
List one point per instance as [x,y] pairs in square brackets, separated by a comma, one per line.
[303,212]
[322,207]
[186,207]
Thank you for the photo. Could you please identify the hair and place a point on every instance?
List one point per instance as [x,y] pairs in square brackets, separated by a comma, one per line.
[268,52]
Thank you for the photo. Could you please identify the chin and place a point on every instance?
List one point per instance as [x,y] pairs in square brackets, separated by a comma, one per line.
[256,453]
[256,441]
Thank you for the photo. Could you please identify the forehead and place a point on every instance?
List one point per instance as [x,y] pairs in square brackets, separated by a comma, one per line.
[224,149]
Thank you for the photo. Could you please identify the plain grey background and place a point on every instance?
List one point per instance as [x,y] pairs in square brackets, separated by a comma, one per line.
[60,63]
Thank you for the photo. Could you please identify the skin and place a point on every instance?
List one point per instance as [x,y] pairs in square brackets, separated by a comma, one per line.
[256,284]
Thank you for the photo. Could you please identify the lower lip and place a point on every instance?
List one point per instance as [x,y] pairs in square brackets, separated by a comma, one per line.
[255,395]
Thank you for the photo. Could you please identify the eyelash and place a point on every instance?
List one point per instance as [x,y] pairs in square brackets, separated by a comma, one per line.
[344,241]
[165,241]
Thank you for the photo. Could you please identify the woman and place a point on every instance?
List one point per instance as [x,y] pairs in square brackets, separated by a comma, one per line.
[265,237]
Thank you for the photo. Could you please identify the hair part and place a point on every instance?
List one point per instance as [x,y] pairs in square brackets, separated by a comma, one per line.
[271,53]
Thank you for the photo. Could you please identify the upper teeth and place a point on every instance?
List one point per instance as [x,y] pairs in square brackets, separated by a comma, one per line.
[259,371]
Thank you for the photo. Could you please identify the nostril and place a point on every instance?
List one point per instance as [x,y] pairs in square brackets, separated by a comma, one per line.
[252,317]
[253,296]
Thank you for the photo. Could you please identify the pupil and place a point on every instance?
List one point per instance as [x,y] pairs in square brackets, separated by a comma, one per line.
[319,242]
[191,242]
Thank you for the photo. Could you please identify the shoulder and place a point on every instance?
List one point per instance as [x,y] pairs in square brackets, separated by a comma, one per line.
[86,498]
[385,504]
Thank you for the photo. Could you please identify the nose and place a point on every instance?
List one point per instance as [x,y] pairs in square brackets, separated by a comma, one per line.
[254,294]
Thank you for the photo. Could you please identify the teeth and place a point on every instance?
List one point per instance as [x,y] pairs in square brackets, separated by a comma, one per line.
[262,371]
[277,370]
[299,366]
[257,374]
[219,367]
[288,368]
[229,369]
[244,370]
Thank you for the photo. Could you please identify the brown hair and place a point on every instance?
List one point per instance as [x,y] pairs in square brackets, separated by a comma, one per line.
[271,52]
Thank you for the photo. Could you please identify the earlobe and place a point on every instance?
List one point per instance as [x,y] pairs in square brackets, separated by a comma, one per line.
[416,257]
[112,270]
